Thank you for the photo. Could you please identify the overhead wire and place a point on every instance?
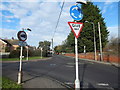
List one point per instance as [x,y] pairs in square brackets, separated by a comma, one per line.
[58,19]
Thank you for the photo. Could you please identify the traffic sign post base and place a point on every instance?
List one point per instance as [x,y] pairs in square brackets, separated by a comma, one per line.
[20,77]
[77,84]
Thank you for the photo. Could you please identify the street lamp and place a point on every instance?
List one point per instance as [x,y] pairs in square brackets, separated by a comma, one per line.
[81,1]
[95,55]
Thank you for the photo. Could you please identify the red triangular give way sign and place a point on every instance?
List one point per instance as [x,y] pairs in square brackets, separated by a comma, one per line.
[76,28]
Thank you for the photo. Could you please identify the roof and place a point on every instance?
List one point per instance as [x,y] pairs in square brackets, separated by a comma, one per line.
[3,41]
[11,41]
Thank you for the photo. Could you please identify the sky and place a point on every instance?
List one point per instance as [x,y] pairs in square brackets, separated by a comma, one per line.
[41,17]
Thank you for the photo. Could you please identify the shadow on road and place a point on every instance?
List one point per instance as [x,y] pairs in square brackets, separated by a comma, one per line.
[85,85]
[83,74]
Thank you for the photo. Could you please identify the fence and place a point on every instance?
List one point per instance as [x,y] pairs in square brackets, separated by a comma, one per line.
[106,57]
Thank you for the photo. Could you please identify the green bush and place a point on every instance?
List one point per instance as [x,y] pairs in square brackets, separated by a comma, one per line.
[38,53]
[14,54]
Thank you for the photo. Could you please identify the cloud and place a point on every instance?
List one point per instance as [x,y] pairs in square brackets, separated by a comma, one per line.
[8,21]
[113,31]
[56,0]
[41,18]
[9,33]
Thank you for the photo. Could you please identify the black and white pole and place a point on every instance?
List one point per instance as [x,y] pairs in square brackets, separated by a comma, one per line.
[20,67]
[77,82]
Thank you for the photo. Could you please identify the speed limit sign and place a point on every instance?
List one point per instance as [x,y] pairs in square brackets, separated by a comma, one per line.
[22,36]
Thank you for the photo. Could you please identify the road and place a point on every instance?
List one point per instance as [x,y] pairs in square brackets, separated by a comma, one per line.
[62,69]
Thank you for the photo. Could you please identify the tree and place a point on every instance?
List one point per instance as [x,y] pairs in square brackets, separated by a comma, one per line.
[91,13]
[113,46]
[45,45]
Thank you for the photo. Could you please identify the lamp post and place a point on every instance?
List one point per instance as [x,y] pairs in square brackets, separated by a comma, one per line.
[95,55]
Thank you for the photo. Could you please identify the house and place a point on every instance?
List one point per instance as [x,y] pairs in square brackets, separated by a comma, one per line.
[2,45]
[8,45]
[14,43]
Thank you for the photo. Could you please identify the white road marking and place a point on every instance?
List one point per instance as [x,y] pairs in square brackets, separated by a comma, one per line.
[68,83]
[103,84]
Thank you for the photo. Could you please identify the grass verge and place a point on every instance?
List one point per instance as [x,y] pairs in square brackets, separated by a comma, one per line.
[17,59]
[9,84]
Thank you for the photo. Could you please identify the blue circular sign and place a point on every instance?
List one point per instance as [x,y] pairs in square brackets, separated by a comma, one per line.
[76,12]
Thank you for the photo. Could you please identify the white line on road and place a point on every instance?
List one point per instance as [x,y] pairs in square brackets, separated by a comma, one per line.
[103,84]
[68,83]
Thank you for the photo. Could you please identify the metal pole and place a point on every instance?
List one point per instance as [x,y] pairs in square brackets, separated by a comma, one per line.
[95,55]
[41,52]
[27,53]
[84,49]
[52,46]
[77,82]
[20,68]
[101,57]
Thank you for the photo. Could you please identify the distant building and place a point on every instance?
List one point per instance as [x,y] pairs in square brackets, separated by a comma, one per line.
[2,45]
[7,45]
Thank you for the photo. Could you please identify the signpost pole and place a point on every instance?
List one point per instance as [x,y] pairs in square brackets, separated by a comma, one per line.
[20,68]
[27,53]
[77,82]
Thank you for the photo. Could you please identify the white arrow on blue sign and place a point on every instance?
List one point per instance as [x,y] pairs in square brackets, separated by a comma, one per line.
[76,12]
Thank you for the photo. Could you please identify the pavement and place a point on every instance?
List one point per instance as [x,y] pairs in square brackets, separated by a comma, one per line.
[35,81]
[31,80]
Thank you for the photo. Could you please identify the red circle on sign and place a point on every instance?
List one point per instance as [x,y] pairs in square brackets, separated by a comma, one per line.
[22,36]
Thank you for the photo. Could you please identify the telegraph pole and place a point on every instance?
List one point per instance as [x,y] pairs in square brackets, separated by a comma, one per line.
[95,56]
[101,56]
